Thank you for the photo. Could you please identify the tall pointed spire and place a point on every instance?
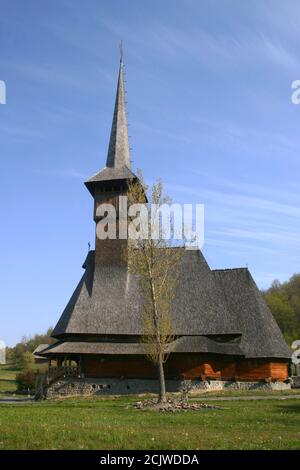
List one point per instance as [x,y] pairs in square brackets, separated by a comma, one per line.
[118,165]
[118,150]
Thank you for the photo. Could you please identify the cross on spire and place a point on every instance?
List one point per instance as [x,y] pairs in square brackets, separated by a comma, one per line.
[118,162]
[118,150]
[121,51]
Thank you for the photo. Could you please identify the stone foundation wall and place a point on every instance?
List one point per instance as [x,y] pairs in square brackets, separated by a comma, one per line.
[77,387]
[296,381]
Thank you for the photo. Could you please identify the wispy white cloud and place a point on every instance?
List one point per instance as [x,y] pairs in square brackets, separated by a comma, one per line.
[247,226]
[280,55]
[244,186]
[166,40]
[238,200]
[245,137]
[255,203]
[242,247]
[269,236]
[216,49]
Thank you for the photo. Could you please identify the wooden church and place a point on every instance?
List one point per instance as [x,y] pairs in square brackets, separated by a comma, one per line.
[224,330]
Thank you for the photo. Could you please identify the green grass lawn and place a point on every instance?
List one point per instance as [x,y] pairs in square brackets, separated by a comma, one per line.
[107,423]
[246,393]
[110,423]
[7,380]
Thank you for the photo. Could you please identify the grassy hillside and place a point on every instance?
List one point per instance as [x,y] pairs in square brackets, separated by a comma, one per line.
[107,423]
[7,380]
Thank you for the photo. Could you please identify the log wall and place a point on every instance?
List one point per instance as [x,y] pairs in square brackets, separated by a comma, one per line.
[186,366]
[122,366]
[279,370]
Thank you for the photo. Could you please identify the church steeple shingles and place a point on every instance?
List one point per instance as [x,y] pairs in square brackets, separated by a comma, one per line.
[118,150]
[112,181]
[118,165]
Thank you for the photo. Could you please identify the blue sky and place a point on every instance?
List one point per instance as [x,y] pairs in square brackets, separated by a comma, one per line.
[210,112]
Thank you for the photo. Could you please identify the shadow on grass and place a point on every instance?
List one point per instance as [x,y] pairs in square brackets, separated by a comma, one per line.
[289,408]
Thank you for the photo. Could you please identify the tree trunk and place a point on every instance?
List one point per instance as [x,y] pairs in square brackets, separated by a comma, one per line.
[162,383]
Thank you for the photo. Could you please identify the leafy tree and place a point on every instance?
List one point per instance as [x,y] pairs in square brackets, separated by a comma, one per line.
[284,302]
[156,265]
[26,381]
[21,354]
[27,361]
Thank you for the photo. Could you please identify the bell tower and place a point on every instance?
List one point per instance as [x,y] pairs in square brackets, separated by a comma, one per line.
[112,181]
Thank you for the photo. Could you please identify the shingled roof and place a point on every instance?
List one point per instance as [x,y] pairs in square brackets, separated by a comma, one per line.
[109,174]
[261,336]
[38,349]
[107,301]
[186,344]
[208,303]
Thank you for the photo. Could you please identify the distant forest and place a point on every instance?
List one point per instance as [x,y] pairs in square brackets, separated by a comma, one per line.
[282,298]
[284,302]
[20,356]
